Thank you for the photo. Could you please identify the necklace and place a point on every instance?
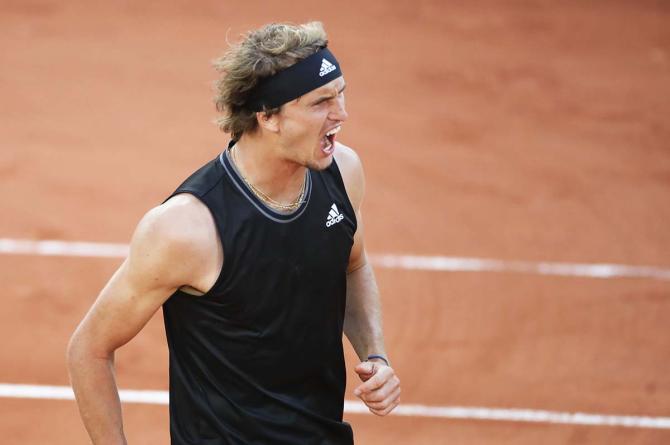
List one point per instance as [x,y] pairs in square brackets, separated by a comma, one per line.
[265,198]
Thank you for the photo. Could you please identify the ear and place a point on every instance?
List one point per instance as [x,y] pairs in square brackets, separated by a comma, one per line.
[268,122]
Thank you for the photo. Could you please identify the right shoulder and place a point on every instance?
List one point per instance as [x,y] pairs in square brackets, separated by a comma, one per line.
[178,236]
[180,221]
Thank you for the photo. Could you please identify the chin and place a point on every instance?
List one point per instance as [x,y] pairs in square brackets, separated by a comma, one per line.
[320,164]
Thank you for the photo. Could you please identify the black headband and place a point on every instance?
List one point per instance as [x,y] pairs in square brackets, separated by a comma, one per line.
[296,80]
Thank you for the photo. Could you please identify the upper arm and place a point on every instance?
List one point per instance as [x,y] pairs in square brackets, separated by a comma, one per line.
[167,251]
[351,169]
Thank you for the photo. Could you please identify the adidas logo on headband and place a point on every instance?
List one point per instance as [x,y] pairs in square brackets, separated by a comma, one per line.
[326,67]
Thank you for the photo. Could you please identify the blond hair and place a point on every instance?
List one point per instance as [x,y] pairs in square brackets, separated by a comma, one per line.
[260,54]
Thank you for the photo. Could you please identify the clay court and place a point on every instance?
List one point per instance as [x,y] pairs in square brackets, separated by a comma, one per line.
[518,187]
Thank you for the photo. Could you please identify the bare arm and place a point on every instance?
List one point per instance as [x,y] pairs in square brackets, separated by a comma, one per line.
[154,269]
[363,317]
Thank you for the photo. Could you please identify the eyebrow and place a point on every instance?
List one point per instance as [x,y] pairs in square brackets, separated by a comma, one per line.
[322,98]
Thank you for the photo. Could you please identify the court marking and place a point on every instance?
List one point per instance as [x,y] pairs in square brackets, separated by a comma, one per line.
[46,392]
[9,246]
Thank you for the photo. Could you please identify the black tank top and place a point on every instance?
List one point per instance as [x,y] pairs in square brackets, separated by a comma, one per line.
[258,359]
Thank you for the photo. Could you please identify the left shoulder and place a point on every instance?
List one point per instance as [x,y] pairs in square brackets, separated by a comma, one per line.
[351,169]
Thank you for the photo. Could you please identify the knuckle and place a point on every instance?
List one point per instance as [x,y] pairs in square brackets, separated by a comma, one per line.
[377,398]
[373,397]
[385,392]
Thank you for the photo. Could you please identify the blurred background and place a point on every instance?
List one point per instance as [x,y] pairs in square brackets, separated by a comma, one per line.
[517,158]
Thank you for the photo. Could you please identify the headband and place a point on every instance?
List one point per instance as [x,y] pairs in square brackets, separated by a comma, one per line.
[296,80]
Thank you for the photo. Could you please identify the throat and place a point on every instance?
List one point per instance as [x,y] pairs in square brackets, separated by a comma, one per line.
[281,195]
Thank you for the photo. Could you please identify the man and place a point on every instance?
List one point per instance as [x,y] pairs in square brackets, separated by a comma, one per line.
[259,264]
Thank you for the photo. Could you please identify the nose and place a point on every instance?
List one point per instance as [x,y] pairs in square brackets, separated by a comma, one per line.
[338,111]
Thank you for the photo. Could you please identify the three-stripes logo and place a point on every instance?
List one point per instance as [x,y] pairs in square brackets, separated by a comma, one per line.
[326,67]
[334,216]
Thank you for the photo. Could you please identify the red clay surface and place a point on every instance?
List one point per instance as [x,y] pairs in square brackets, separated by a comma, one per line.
[530,131]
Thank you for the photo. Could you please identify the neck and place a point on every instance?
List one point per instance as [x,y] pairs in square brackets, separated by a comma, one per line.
[262,165]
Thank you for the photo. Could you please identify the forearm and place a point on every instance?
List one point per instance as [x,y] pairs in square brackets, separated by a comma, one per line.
[97,396]
[363,317]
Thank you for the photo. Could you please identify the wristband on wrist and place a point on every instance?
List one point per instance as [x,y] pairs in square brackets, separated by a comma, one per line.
[380,357]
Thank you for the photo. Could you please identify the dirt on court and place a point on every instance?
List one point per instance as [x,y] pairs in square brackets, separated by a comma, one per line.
[520,130]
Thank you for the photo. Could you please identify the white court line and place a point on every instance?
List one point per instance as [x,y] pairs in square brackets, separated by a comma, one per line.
[62,248]
[464,264]
[354,407]
[10,246]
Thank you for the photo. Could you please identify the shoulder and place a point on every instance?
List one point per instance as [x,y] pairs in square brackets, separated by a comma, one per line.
[351,169]
[178,234]
[182,219]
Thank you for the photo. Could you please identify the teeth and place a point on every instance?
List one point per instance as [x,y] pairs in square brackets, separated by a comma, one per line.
[334,131]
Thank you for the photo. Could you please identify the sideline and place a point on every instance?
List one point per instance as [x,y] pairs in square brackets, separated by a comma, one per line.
[9,246]
[45,392]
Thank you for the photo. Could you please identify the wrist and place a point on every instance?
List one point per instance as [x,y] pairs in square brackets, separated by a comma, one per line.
[378,358]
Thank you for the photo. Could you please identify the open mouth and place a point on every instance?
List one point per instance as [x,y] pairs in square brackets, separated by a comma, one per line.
[328,142]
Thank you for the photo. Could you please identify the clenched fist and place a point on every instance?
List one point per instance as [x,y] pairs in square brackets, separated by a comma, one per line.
[380,390]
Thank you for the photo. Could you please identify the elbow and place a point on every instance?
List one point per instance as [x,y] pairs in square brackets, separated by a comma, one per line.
[74,352]
[81,353]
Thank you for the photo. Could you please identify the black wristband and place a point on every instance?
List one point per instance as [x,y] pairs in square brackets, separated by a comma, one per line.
[380,357]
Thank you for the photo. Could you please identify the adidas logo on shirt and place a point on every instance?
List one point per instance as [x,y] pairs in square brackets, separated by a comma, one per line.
[334,216]
[326,67]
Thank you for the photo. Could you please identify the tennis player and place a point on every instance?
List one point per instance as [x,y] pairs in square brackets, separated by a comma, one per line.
[259,264]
